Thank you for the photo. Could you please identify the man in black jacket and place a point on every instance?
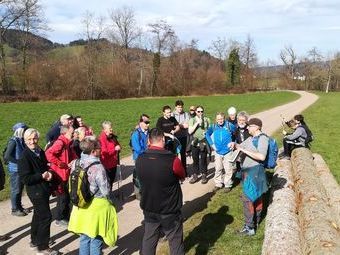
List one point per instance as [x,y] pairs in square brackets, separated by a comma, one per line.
[159,172]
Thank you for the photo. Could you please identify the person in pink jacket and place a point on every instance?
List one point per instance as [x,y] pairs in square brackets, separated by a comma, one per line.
[60,154]
[110,150]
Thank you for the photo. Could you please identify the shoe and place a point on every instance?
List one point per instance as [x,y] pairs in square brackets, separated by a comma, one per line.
[247,231]
[18,213]
[204,179]
[25,210]
[61,223]
[227,190]
[216,188]
[193,179]
[34,247]
[48,251]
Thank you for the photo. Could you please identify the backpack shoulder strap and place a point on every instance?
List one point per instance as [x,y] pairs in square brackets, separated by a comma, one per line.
[92,164]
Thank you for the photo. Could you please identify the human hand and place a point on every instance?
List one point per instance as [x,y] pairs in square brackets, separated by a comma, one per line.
[117,148]
[63,165]
[284,132]
[231,145]
[47,176]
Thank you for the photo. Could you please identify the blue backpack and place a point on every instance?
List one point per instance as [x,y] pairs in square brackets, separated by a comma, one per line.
[272,153]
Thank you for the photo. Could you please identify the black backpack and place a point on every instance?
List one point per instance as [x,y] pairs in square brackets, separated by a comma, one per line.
[309,137]
[79,186]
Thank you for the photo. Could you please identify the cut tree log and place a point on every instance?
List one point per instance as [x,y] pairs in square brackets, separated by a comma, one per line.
[316,215]
[282,231]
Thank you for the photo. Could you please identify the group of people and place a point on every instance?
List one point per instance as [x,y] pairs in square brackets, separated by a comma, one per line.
[177,135]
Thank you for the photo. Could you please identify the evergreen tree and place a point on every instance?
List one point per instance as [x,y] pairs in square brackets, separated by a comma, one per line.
[233,67]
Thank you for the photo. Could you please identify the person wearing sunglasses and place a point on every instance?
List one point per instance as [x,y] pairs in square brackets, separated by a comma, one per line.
[199,145]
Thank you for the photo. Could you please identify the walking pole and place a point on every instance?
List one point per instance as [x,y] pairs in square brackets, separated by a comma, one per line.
[119,179]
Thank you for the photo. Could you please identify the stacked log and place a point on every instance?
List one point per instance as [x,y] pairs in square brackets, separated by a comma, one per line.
[282,231]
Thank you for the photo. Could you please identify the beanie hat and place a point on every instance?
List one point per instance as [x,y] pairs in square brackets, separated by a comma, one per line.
[19,125]
[255,121]
[232,111]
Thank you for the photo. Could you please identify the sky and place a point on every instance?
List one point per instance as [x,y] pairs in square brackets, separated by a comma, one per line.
[273,24]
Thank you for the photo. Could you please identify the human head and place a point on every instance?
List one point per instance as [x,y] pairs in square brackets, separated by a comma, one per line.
[107,127]
[66,119]
[19,129]
[78,121]
[144,121]
[292,124]
[232,113]
[67,131]
[166,111]
[220,118]
[81,133]
[179,106]
[254,126]
[31,137]
[199,111]
[19,125]
[156,137]
[90,145]
[299,119]
[192,110]
[242,118]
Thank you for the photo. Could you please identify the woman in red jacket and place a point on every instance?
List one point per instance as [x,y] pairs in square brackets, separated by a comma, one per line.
[110,150]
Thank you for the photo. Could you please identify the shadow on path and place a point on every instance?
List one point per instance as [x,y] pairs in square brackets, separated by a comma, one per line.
[209,231]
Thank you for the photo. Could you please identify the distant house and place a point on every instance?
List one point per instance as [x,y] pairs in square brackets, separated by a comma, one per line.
[300,77]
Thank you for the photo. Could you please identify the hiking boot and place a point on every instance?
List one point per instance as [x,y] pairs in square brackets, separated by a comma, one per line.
[227,190]
[204,179]
[61,223]
[19,213]
[193,179]
[247,231]
[34,247]
[48,251]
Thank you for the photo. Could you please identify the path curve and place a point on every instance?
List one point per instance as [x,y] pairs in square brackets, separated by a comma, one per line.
[129,213]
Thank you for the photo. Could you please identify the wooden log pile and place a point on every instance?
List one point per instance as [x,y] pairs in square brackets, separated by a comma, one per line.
[304,212]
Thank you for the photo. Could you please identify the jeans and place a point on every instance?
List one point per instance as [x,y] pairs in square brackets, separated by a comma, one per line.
[16,191]
[63,204]
[90,246]
[199,158]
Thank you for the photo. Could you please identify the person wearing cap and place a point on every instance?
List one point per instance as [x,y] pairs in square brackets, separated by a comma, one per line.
[54,132]
[12,154]
[192,111]
[232,115]
[182,118]
[254,183]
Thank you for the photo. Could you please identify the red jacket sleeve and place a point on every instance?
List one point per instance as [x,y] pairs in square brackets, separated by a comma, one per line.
[178,168]
[54,152]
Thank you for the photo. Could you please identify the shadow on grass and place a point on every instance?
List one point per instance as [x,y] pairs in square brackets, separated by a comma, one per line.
[208,232]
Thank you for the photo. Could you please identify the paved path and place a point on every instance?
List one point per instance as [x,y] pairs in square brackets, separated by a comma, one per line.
[196,197]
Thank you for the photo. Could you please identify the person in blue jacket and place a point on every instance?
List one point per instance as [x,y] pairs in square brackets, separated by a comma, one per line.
[219,137]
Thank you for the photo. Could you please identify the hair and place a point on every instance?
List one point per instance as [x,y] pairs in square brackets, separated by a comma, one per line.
[166,107]
[76,123]
[179,102]
[200,106]
[221,114]
[89,144]
[291,123]
[192,107]
[243,114]
[155,135]
[19,132]
[30,132]
[142,117]
[106,123]
[80,129]
[300,119]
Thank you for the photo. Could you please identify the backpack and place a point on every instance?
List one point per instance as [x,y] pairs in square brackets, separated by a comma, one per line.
[79,186]
[272,153]
[309,137]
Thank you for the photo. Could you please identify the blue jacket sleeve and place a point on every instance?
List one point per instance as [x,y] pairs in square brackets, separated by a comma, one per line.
[208,134]
[135,141]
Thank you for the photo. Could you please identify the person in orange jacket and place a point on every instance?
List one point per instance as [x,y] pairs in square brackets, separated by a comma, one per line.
[60,155]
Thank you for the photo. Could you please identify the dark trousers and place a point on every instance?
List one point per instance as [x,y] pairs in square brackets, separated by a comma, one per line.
[171,225]
[199,158]
[63,204]
[111,174]
[183,141]
[288,147]
[252,210]
[41,222]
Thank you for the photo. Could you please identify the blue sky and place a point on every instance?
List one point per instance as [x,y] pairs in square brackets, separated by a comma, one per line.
[273,24]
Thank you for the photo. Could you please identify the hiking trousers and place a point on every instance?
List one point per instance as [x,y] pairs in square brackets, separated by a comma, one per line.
[199,157]
[223,171]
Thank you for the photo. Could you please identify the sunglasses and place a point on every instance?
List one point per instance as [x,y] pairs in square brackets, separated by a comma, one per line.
[146,122]
[199,111]
[192,110]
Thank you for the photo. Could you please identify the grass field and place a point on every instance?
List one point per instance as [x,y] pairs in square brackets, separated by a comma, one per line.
[212,230]
[123,113]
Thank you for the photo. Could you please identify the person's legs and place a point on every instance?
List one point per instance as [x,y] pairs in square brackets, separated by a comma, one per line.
[16,192]
[150,237]
[183,141]
[258,209]
[84,245]
[111,174]
[203,161]
[248,211]
[286,147]
[173,230]
[219,175]
[229,170]
[63,206]
[195,158]
[96,246]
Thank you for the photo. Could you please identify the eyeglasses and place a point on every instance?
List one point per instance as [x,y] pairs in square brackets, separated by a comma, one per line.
[199,111]
[192,110]
[146,122]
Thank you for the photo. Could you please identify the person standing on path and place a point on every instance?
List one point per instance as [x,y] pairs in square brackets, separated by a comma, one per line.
[182,135]
[219,137]
[254,183]
[232,115]
[34,173]
[160,172]
[15,147]
[60,154]
[54,132]
[199,145]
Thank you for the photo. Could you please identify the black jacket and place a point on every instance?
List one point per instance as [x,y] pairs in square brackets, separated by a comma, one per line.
[30,168]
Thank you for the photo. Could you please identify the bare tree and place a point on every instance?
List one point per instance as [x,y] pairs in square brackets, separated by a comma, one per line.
[249,59]
[163,36]
[289,58]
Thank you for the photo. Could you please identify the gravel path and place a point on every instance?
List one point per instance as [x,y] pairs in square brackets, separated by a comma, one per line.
[130,232]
